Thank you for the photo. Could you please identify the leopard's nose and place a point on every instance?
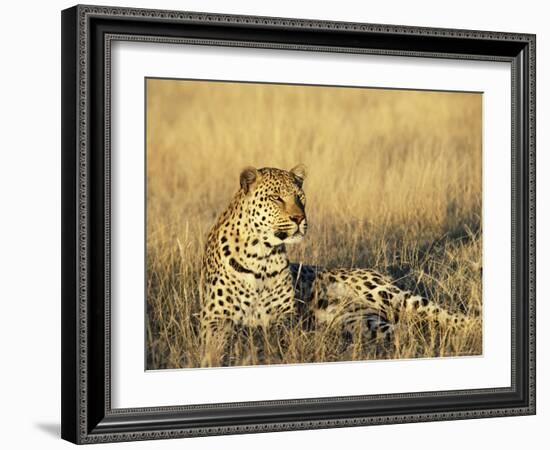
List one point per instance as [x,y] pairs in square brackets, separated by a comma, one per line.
[298,218]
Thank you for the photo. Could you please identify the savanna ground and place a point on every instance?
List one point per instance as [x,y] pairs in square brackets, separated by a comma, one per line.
[394,184]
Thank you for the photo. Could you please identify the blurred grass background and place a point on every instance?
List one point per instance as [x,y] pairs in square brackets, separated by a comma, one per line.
[394,183]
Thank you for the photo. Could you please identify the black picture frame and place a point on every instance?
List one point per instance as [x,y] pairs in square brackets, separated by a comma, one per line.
[87,32]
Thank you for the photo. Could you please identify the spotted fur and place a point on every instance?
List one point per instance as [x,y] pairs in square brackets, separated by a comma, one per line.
[246,277]
[365,301]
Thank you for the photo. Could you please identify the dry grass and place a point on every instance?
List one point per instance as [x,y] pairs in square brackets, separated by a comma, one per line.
[394,183]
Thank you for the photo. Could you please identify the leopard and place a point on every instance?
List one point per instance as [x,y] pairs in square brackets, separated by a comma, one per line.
[247,279]
[245,276]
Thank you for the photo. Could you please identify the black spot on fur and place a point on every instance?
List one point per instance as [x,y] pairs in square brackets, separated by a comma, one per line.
[239,267]
[370,285]
[322,303]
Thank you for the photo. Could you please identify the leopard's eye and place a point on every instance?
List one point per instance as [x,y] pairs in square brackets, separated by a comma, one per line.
[277,198]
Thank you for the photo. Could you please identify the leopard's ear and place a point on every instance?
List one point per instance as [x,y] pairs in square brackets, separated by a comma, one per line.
[249,176]
[299,172]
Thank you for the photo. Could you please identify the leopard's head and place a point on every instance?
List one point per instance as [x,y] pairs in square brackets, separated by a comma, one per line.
[276,203]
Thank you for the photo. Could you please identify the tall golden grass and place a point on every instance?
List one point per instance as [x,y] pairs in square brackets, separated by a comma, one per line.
[394,183]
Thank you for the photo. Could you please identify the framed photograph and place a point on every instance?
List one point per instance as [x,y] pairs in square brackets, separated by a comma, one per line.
[280,224]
